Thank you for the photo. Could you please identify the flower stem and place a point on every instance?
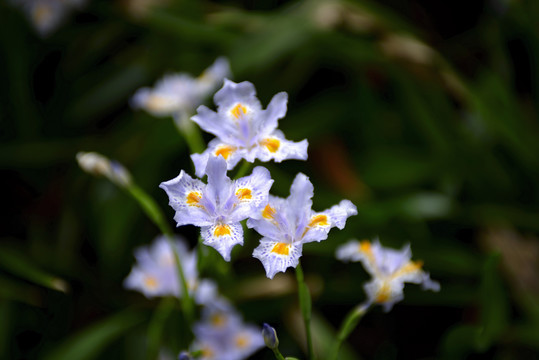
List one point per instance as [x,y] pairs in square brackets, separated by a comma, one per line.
[278,354]
[305,305]
[190,132]
[152,210]
[347,326]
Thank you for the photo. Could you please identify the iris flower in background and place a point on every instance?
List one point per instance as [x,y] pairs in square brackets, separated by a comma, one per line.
[222,335]
[178,95]
[287,224]
[155,273]
[99,165]
[244,130]
[219,206]
[47,15]
[389,268]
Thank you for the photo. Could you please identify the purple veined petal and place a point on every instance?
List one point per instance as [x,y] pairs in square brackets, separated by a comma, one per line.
[221,126]
[245,341]
[185,197]
[272,222]
[275,147]
[219,186]
[299,203]
[269,118]
[277,256]
[232,93]
[250,194]
[390,260]
[222,237]
[216,147]
[320,224]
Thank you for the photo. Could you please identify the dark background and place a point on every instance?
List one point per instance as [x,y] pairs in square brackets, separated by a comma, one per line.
[423,113]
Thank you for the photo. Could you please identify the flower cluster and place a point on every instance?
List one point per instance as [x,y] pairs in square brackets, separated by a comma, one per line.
[246,131]
[389,269]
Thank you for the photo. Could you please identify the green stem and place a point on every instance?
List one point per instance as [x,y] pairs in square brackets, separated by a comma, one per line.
[305,305]
[157,324]
[347,326]
[155,214]
[190,132]
[278,354]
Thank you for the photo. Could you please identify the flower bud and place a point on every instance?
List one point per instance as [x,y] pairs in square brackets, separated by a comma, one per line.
[270,336]
[184,355]
[98,165]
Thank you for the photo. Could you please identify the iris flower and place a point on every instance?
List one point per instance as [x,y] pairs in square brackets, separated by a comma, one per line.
[155,273]
[389,268]
[218,207]
[287,224]
[243,129]
[222,335]
[179,94]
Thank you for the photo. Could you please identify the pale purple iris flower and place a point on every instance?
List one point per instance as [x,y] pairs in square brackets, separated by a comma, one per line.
[244,130]
[287,224]
[218,207]
[222,334]
[389,268]
[180,94]
[155,273]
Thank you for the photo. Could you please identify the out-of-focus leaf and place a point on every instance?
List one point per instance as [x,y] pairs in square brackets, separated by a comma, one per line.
[390,168]
[459,342]
[494,304]
[115,89]
[14,290]
[88,343]
[157,325]
[17,264]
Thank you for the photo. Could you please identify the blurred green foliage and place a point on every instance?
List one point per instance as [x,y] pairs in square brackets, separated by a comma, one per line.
[423,113]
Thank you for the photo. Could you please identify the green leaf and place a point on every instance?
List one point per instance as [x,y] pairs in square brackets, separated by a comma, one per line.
[17,264]
[89,343]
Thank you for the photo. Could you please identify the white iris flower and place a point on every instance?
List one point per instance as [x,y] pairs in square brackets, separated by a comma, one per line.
[218,207]
[180,94]
[287,224]
[389,268]
[244,130]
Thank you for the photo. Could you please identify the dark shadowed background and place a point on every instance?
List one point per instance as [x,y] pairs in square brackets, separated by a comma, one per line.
[422,112]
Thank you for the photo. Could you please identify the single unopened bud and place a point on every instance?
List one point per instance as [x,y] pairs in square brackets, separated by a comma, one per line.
[184,355]
[98,165]
[270,336]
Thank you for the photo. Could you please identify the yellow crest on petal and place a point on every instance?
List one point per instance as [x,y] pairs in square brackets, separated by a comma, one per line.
[238,110]
[281,249]
[244,194]
[222,230]
[271,144]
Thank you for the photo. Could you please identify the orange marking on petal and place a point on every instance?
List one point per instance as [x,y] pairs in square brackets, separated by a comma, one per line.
[242,341]
[238,110]
[383,294]
[281,249]
[218,320]
[150,282]
[319,220]
[408,268]
[271,144]
[244,194]
[207,353]
[268,212]
[222,230]
[225,151]
[193,199]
